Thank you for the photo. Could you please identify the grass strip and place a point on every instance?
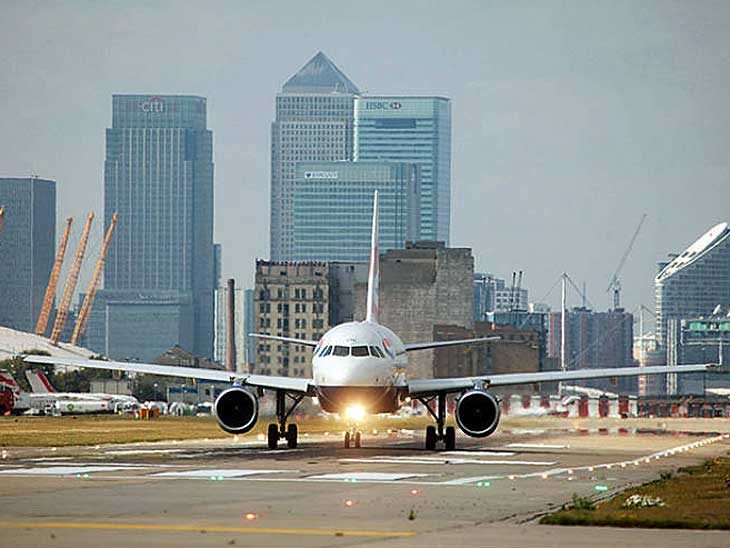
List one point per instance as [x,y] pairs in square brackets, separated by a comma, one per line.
[696,497]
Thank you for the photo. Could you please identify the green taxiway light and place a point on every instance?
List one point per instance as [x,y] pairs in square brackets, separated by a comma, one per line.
[483,484]
[601,488]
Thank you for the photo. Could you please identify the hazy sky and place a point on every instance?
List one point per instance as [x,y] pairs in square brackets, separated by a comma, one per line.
[570,119]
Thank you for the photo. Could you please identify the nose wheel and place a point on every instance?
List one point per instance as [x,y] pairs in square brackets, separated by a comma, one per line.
[353,438]
[282,431]
[440,432]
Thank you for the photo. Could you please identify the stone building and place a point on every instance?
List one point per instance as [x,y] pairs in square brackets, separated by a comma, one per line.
[423,285]
[291,299]
[517,352]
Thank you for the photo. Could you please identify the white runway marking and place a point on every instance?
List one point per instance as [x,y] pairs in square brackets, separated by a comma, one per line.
[537,446]
[442,460]
[480,453]
[464,481]
[224,473]
[367,476]
[143,451]
[65,470]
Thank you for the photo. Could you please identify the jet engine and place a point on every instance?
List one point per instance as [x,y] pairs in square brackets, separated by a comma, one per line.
[237,410]
[477,413]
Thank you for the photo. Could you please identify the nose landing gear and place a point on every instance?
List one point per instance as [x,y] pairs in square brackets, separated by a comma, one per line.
[281,430]
[353,437]
[440,432]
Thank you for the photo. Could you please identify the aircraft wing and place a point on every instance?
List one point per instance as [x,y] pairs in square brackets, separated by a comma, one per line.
[305,342]
[435,344]
[434,386]
[290,384]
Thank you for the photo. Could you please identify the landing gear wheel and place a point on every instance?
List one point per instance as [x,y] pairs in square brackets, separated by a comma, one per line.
[357,439]
[347,440]
[431,438]
[450,438]
[273,436]
[291,436]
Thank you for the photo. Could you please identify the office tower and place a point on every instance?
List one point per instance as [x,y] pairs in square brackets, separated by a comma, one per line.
[158,177]
[492,296]
[595,340]
[27,248]
[333,203]
[313,122]
[693,283]
[416,130]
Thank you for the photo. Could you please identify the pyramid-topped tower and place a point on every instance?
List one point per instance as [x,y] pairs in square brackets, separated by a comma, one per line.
[320,75]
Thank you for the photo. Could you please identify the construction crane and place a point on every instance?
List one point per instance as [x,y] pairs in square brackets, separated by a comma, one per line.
[73,277]
[40,327]
[615,284]
[93,284]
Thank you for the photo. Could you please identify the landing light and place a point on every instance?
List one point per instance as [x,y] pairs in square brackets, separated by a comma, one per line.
[355,413]
[349,503]
[250,516]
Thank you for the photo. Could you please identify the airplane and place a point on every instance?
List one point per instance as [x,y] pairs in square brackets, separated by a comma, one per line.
[40,384]
[48,402]
[359,368]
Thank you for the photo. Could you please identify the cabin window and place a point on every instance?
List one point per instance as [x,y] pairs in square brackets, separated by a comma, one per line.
[360,351]
[341,351]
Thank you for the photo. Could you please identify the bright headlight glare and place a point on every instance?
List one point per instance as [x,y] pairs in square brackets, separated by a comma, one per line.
[355,412]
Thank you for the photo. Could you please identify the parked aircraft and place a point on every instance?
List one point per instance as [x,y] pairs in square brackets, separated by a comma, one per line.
[40,384]
[361,367]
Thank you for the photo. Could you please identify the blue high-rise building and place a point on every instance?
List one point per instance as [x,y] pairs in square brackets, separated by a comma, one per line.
[27,248]
[416,130]
[333,208]
[158,177]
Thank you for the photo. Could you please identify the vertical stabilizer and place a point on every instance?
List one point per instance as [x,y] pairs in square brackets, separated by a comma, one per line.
[374,274]
[39,383]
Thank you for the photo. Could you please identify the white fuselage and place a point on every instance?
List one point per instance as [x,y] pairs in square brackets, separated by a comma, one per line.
[359,363]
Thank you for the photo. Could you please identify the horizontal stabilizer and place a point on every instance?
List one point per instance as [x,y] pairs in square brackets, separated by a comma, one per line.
[292,340]
[436,344]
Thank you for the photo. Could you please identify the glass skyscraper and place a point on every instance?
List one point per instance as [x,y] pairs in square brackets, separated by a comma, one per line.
[333,203]
[314,119]
[27,248]
[695,282]
[416,130]
[158,177]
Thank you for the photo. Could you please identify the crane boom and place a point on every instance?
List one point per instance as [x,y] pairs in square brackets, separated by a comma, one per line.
[93,284]
[73,277]
[615,284]
[40,327]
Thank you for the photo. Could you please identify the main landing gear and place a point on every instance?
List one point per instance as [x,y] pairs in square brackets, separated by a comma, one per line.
[281,430]
[440,432]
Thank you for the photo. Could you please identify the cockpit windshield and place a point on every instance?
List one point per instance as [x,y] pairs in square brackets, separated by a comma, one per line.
[360,351]
[341,351]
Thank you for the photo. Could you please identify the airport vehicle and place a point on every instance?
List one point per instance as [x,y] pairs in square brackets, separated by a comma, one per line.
[361,367]
[40,384]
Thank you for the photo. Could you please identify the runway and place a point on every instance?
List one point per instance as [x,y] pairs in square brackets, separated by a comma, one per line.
[390,493]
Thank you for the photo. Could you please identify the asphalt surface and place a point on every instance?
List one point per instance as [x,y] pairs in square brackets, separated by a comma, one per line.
[391,492]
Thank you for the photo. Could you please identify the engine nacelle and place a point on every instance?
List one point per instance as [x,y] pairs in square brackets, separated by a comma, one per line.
[477,413]
[237,410]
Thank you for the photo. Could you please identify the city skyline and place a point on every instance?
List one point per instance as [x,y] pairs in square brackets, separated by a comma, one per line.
[562,139]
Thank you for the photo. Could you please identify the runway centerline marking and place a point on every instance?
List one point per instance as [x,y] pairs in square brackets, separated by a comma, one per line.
[198,528]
